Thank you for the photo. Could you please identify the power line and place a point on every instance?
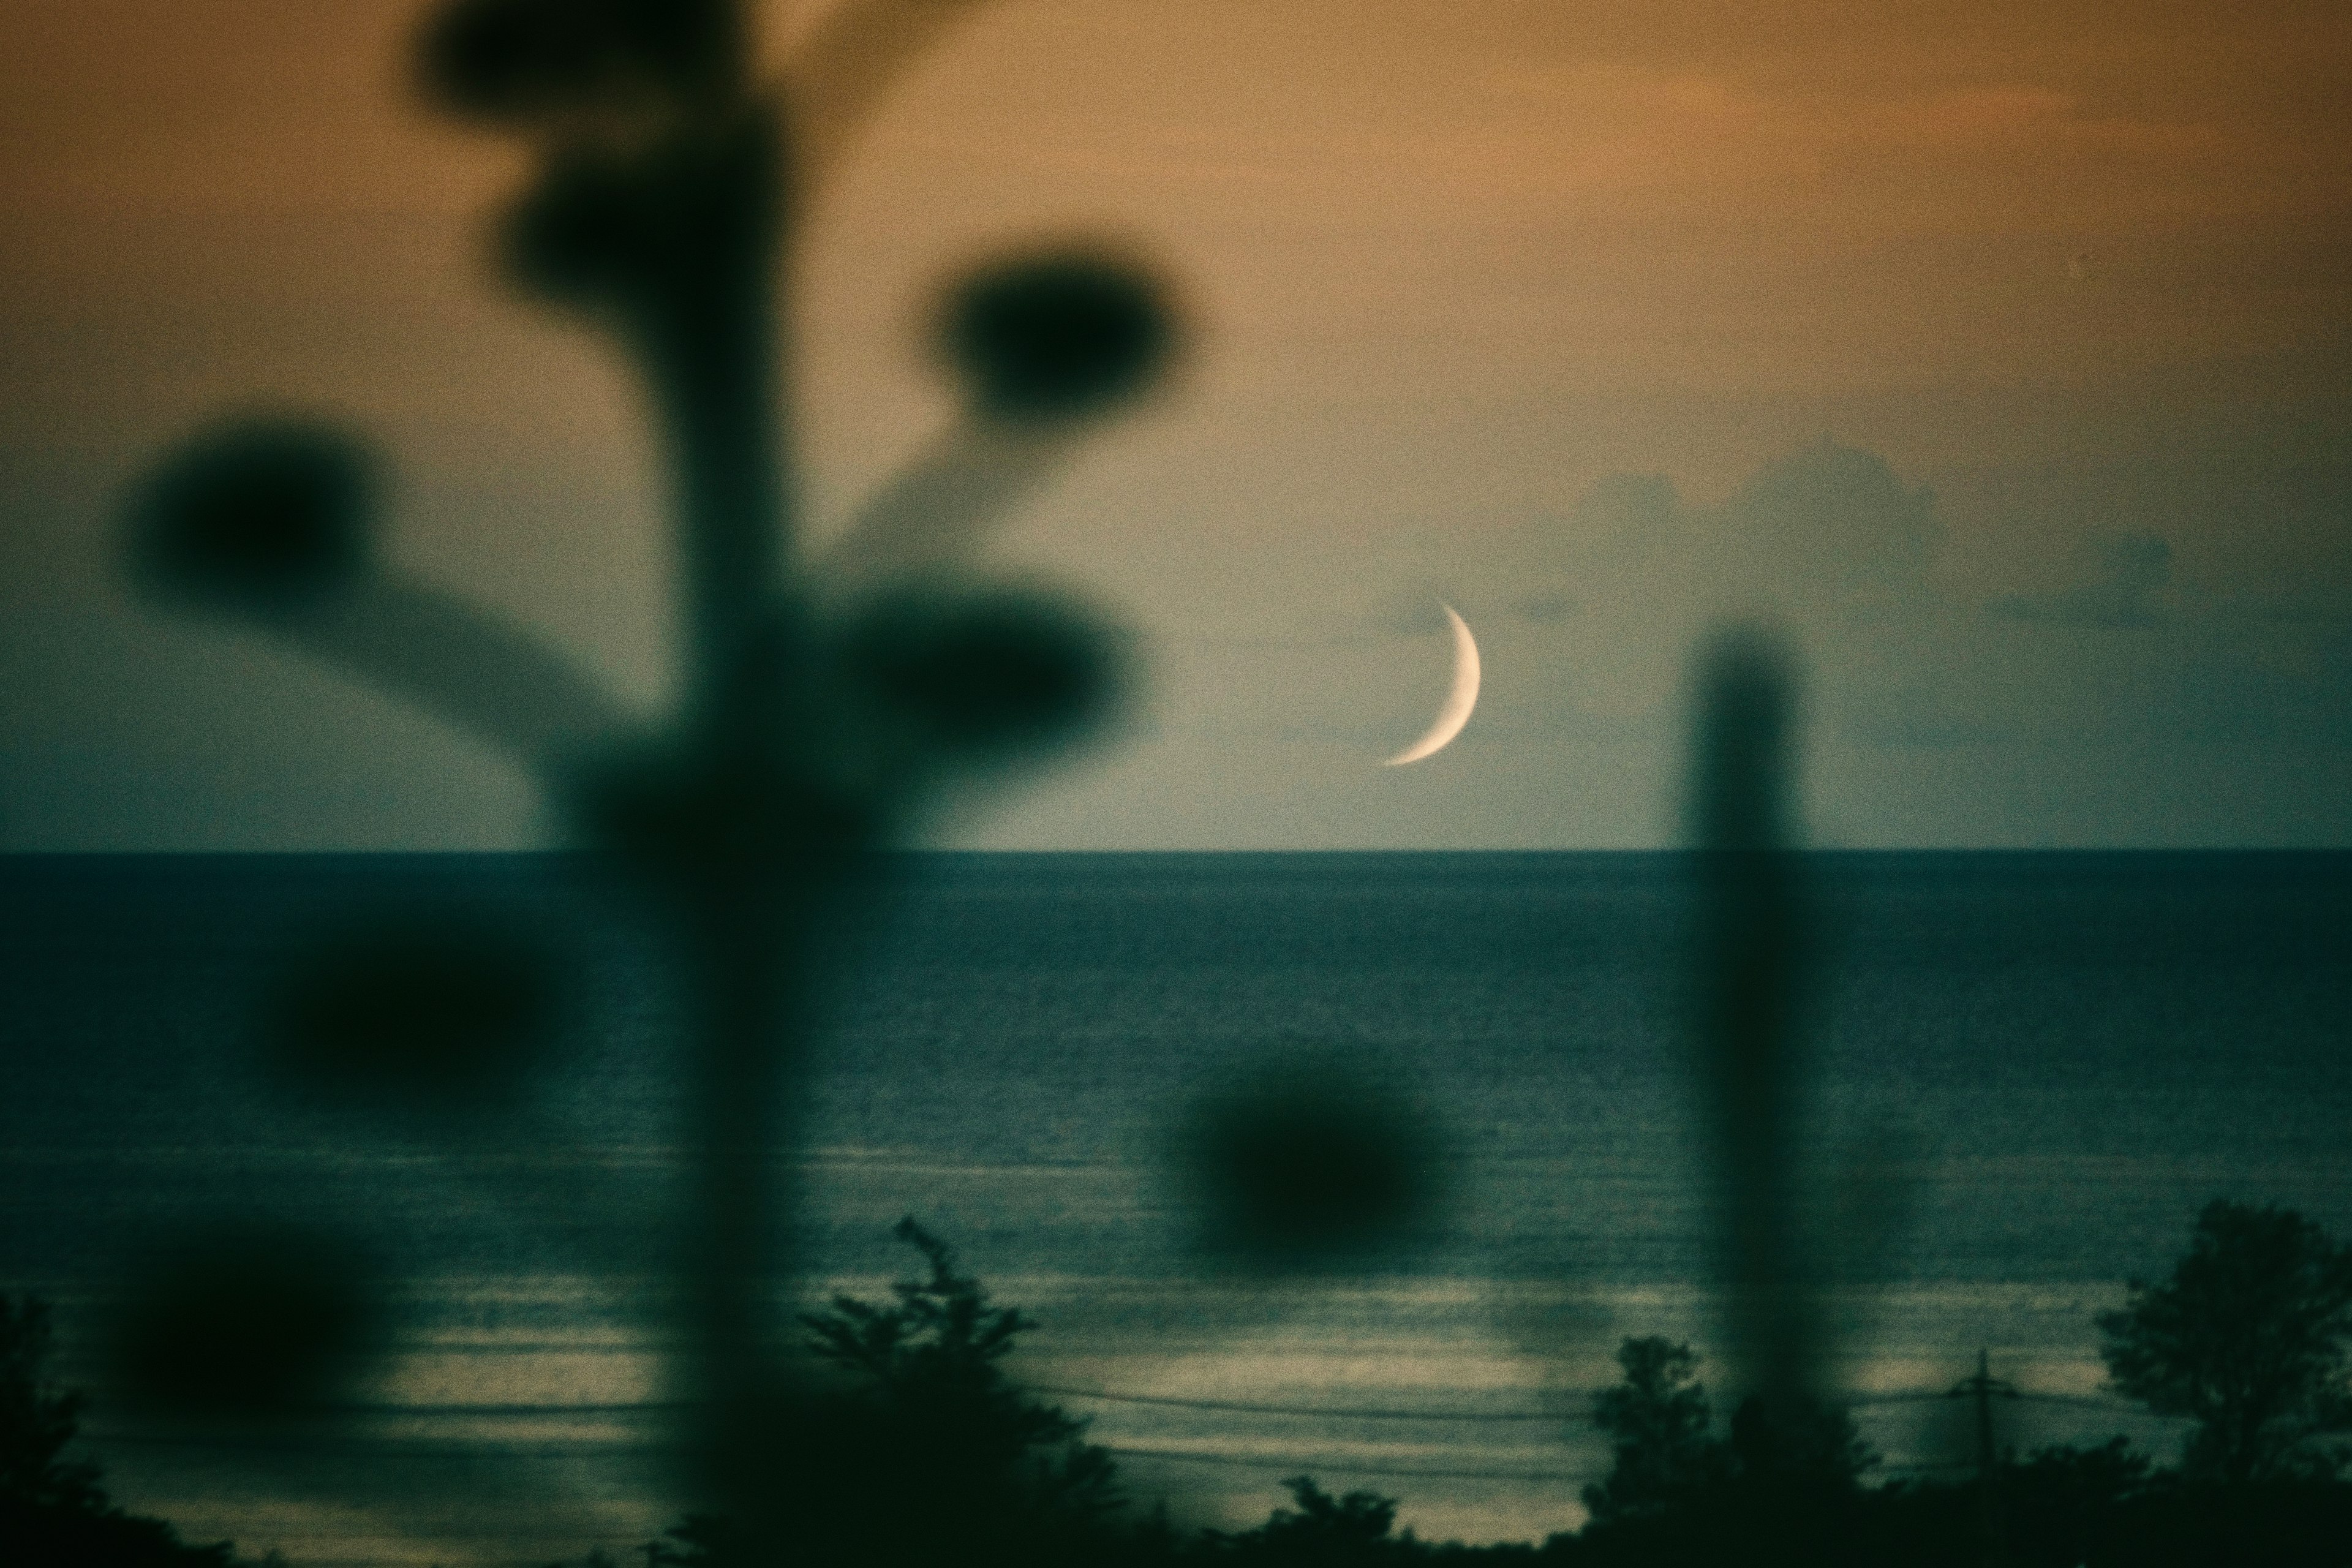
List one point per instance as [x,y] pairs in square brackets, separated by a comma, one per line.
[517,1411]
[1239,1406]
[1345,1467]
[1922,1464]
[318,1444]
[2093,1402]
[416,1448]
[1332,1412]
[462,1449]
[1367,1413]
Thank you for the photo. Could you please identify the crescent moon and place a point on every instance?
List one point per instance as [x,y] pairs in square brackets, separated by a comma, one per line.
[1459,700]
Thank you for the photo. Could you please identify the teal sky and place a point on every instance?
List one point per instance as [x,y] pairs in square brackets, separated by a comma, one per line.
[2001,354]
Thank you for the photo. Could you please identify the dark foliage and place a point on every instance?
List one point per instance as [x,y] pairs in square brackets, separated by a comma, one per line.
[1057,336]
[244,1321]
[1796,1443]
[2248,1336]
[2059,1506]
[643,232]
[518,60]
[2102,1507]
[1785,1479]
[447,1011]
[980,673]
[53,1513]
[36,1421]
[100,1537]
[2176,1522]
[932,1357]
[929,1452]
[272,512]
[1321,1531]
[1302,1168]
[2251,1338]
[1657,1419]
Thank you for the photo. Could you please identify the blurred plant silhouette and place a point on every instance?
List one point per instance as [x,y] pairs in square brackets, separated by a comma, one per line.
[53,1512]
[1750,946]
[824,700]
[1301,1167]
[1791,1218]
[243,1321]
[451,1012]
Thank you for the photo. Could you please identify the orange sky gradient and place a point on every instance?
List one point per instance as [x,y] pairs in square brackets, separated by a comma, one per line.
[1929,317]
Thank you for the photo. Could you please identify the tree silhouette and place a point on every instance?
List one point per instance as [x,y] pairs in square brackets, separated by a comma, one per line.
[2251,1338]
[1659,1423]
[53,1512]
[925,1452]
[1782,1485]
[932,1357]
[36,1421]
[1657,1420]
[1322,1529]
[1801,1444]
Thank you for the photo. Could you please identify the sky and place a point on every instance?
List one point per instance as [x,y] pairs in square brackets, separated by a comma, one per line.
[1999,355]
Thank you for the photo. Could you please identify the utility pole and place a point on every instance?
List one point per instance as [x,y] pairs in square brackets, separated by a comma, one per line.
[1981,1388]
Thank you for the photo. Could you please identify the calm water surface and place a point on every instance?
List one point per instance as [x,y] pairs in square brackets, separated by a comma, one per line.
[2027,1073]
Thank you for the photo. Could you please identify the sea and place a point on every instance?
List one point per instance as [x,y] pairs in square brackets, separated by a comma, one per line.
[2019,1077]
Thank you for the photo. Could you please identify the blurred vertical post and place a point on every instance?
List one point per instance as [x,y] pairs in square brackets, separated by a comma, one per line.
[1749,949]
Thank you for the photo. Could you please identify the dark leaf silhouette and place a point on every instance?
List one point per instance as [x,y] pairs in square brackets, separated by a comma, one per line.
[525,59]
[932,1450]
[1797,1445]
[811,711]
[247,1322]
[440,1010]
[271,511]
[1301,1168]
[640,230]
[1055,337]
[981,671]
[941,1336]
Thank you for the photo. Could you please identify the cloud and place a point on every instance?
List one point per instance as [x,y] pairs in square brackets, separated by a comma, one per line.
[2132,572]
[1410,613]
[1833,545]
[1829,529]
[1827,542]
[1832,528]
[1544,606]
